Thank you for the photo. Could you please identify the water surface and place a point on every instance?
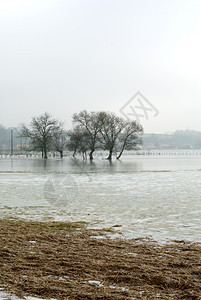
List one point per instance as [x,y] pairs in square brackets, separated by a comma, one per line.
[155,196]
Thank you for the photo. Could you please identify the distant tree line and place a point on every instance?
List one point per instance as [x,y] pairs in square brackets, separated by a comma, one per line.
[180,139]
[91,131]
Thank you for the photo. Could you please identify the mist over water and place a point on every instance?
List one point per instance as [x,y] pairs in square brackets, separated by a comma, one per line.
[154,196]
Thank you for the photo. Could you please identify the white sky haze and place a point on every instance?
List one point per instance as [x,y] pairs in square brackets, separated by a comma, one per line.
[63,56]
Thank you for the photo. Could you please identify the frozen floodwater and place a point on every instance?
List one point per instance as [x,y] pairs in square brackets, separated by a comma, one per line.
[140,196]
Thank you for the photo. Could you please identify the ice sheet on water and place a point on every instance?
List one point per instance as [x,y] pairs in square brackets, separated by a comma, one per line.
[154,203]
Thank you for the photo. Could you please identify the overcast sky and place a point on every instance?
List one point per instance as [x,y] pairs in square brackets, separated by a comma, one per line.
[63,56]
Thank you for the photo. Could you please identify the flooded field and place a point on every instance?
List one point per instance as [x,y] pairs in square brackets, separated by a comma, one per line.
[141,196]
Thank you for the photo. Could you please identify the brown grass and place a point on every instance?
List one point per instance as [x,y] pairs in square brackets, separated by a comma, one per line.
[58,260]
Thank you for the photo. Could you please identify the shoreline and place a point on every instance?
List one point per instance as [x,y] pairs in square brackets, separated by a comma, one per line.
[64,260]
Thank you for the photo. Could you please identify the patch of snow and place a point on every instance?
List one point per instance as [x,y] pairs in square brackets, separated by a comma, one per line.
[132,253]
[95,282]
[124,289]
[98,237]
[8,296]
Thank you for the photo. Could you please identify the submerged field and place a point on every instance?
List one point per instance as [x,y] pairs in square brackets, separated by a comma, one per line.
[146,196]
[67,261]
[53,241]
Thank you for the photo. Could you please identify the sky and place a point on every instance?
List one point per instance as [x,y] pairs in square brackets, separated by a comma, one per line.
[140,59]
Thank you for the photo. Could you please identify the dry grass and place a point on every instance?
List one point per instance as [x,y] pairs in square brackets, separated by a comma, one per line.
[58,260]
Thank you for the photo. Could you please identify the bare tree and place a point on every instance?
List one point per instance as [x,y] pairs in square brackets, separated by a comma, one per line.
[59,141]
[130,137]
[41,132]
[77,141]
[90,124]
[111,128]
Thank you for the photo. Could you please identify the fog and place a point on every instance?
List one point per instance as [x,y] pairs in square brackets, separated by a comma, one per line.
[65,56]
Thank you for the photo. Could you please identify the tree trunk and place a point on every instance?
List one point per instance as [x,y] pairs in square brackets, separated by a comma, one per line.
[91,154]
[84,155]
[45,153]
[61,153]
[110,154]
[121,152]
[74,153]
[122,149]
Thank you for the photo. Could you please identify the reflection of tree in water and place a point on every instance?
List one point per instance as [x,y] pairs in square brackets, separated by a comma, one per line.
[88,168]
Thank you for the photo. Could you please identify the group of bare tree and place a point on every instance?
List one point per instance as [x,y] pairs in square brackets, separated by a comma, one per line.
[91,131]
[103,130]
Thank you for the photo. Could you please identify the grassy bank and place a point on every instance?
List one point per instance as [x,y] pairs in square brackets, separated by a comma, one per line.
[67,261]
